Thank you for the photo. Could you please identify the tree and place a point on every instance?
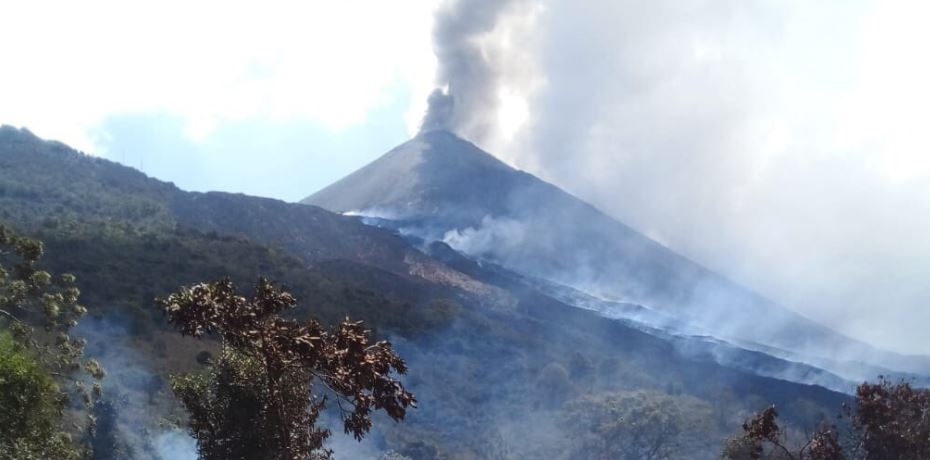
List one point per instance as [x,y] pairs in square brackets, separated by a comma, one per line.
[891,421]
[30,297]
[37,363]
[764,438]
[887,422]
[555,384]
[30,407]
[106,441]
[256,399]
[635,425]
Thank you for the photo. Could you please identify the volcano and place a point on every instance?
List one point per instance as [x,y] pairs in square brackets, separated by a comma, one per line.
[438,187]
[513,302]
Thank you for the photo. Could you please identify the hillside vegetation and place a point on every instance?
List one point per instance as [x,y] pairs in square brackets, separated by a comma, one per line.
[500,370]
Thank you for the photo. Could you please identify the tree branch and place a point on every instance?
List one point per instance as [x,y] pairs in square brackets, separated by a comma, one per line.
[10,316]
[322,378]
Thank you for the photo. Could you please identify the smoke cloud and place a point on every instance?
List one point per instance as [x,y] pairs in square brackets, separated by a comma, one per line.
[176,445]
[440,108]
[738,133]
[480,47]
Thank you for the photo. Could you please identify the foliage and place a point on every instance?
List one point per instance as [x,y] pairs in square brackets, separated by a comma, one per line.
[30,407]
[105,441]
[116,230]
[888,422]
[31,298]
[763,438]
[257,400]
[47,184]
[129,238]
[637,425]
[891,421]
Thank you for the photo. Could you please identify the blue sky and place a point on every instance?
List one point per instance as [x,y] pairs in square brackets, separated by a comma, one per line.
[286,159]
[273,98]
[781,142]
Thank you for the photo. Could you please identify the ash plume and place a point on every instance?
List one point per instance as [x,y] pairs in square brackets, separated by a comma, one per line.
[469,66]
[440,107]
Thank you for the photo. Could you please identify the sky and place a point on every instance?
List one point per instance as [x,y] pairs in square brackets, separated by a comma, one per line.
[782,143]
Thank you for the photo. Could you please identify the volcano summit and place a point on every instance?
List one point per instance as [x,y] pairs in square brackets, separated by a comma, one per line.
[438,187]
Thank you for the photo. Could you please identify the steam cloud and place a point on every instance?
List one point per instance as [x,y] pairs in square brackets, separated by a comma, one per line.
[176,445]
[736,133]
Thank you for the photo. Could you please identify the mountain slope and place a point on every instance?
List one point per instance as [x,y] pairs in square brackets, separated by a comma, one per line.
[43,181]
[439,187]
[497,363]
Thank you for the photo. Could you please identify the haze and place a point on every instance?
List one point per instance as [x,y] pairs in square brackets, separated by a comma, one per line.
[782,144]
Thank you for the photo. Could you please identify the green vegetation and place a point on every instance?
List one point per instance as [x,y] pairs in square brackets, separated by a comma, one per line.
[48,184]
[116,231]
[129,239]
[501,372]
[32,404]
[30,296]
[637,425]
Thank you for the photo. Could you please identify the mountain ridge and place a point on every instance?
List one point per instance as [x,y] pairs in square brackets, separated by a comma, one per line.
[440,187]
[483,344]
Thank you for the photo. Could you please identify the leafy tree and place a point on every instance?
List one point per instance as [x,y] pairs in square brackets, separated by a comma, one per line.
[256,400]
[30,407]
[34,402]
[891,421]
[29,297]
[635,425]
[888,422]
[764,438]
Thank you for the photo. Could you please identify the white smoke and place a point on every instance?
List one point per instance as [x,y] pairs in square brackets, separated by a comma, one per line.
[494,235]
[175,445]
[741,134]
